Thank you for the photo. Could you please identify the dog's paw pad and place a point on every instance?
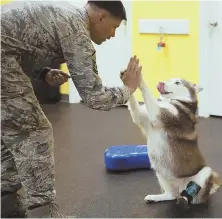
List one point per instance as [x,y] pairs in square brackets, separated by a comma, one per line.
[149,201]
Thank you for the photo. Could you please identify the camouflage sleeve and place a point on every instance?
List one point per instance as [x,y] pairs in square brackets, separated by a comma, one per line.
[80,57]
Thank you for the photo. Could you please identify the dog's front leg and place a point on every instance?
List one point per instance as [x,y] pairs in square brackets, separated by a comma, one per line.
[171,192]
[151,103]
[159,198]
[139,115]
[134,109]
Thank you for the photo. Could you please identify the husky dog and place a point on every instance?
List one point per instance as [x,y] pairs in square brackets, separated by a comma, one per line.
[168,124]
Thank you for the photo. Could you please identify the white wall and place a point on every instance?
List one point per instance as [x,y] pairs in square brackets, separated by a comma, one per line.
[112,56]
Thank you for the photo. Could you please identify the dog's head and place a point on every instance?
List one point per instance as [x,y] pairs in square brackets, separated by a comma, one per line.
[178,89]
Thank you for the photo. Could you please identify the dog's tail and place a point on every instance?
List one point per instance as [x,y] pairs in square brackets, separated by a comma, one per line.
[216,182]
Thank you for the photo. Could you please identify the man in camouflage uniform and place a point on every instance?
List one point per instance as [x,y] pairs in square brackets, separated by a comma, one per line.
[35,36]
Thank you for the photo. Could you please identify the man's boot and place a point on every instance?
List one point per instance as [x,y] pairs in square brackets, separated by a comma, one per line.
[45,211]
[12,206]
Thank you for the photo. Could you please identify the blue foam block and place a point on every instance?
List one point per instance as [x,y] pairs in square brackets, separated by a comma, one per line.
[126,157]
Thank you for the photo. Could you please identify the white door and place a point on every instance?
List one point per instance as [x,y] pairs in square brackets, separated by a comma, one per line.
[215,59]
[112,56]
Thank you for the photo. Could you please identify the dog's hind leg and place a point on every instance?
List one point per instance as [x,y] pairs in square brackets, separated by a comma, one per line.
[171,192]
[204,178]
[198,187]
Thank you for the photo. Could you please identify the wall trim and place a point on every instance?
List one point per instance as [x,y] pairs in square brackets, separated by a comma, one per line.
[64,98]
[204,17]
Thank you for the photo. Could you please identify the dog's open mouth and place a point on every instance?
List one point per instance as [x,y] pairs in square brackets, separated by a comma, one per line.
[162,90]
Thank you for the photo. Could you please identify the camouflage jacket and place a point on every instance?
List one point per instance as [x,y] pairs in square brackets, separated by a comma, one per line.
[41,34]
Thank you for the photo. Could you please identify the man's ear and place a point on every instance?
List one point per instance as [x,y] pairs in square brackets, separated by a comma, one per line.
[101,16]
[198,88]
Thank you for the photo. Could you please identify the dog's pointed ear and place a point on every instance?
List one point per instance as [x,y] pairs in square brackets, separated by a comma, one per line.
[197,88]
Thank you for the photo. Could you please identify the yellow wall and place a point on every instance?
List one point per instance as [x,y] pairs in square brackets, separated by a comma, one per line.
[180,57]
[64,89]
[5,1]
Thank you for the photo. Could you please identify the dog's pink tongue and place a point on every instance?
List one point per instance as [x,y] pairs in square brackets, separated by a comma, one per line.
[160,87]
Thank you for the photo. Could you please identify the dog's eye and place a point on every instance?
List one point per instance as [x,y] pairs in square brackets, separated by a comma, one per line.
[177,82]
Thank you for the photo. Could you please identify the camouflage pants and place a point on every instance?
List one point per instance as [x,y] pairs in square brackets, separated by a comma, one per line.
[27,135]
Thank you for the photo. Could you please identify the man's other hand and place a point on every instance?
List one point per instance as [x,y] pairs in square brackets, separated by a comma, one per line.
[56,77]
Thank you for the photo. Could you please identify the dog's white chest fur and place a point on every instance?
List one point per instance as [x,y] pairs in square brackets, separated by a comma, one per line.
[156,141]
[158,150]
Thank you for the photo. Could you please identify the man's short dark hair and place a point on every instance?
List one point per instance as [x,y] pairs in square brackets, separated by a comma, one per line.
[115,7]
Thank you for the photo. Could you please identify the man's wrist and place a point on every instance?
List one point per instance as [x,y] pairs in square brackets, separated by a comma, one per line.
[131,90]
